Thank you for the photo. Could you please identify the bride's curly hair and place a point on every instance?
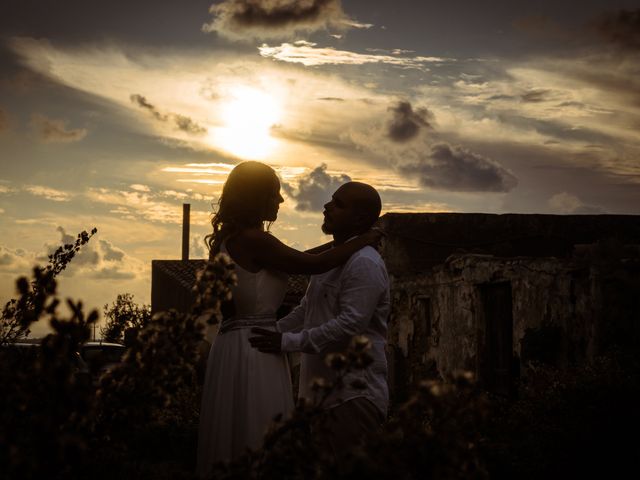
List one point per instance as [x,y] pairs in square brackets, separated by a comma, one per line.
[245,195]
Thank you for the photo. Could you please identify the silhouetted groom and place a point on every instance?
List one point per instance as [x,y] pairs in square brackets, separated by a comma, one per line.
[349,300]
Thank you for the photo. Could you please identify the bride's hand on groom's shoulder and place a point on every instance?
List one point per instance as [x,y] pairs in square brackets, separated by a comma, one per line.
[266,341]
[374,236]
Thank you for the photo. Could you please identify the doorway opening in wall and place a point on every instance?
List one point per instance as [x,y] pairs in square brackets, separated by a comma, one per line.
[497,372]
[423,326]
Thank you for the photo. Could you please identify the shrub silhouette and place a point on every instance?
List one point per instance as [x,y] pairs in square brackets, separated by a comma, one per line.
[53,422]
[141,419]
[124,318]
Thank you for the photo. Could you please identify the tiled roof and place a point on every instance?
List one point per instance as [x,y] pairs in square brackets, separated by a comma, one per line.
[184,272]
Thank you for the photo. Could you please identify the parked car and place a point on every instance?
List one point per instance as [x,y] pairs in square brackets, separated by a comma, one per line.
[92,359]
[99,356]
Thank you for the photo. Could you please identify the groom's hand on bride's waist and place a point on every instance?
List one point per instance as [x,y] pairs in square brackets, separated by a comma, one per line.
[267,341]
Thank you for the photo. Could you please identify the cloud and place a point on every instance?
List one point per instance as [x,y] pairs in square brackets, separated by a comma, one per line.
[112,273]
[359,25]
[48,193]
[149,206]
[186,124]
[308,55]
[197,247]
[249,19]
[143,103]
[535,96]
[182,122]
[98,259]
[621,28]
[139,187]
[394,51]
[315,189]
[7,257]
[110,252]
[52,130]
[15,260]
[406,122]
[87,255]
[458,169]
[6,190]
[570,204]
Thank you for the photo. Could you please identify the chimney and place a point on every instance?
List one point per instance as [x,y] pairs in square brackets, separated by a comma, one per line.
[186,208]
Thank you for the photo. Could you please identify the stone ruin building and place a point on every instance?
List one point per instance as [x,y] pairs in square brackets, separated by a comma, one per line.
[487,293]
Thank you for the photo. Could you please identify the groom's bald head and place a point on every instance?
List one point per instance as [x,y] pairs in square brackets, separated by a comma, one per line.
[367,202]
[353,209]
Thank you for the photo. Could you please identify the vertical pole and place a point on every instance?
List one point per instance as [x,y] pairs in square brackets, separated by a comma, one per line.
[186,209]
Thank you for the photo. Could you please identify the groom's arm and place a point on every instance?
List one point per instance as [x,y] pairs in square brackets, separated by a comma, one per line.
[362,285]
[294,320]
[268,341]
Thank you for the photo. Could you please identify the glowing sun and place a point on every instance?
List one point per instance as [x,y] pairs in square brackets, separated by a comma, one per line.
[248,117]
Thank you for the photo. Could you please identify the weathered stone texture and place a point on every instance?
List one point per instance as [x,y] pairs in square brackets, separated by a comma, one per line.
[559,312]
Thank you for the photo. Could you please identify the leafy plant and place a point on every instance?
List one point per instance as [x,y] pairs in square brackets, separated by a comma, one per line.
[124,317]
[18,314]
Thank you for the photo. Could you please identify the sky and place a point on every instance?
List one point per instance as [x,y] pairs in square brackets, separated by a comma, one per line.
[114,114]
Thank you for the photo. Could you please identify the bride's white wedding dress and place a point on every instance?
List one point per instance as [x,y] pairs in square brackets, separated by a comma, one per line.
[244,389]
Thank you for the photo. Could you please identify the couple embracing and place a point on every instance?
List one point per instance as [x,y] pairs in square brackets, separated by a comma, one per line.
[247,381]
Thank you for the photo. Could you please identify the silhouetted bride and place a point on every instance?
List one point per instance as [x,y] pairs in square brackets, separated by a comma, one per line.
[245,389]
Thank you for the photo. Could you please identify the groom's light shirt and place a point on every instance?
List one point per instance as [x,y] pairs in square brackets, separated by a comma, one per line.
[349,300]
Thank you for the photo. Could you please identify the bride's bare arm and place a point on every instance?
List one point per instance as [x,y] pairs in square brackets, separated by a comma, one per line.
[320,248]
[271,253]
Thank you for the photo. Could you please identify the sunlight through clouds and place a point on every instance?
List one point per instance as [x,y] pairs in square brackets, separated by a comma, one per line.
[116,117]
[309,54]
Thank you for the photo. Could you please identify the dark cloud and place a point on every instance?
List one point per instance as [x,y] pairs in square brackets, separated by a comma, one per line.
[534,96]
[621,28]
[407,122]
[458,169]
[500,97]
[53,130]
[111,253]
[182,122]
[315,189]
[13,75]
[186,124]
[76,21]
[245,19]
[142,102]
[331,99]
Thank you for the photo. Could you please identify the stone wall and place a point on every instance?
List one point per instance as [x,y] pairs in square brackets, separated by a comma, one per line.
[560,311]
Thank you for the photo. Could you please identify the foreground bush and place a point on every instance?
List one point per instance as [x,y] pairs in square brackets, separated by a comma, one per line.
[140,421]
[54,423]
[435,435]
[571,422]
